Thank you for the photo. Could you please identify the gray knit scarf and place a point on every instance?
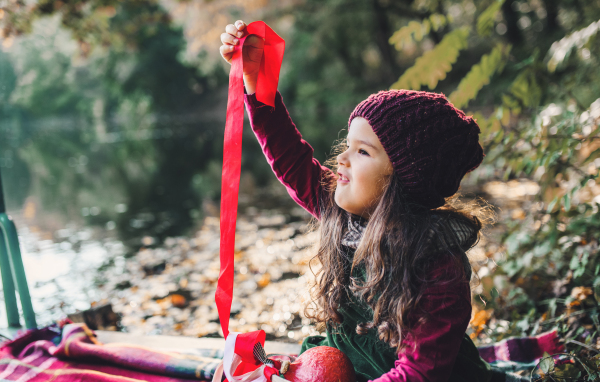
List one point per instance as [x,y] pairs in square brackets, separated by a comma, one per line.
[465,234]
[355,232]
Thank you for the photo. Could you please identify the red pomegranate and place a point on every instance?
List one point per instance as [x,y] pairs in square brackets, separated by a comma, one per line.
[321,364]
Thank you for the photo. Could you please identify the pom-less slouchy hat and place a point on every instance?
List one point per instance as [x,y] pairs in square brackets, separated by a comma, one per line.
[430,143]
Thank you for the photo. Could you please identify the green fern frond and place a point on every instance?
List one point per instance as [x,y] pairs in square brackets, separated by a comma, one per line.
[489,126]
[437,21]
[415,31]
[480,75]
[433,66]
[485,21]
[524,92]
[561,49]
[526,89]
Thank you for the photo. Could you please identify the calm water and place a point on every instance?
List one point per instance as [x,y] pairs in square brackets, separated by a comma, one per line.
[61,272]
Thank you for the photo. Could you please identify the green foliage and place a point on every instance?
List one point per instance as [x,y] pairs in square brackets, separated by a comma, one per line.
[564,237]
[433,66]
[547,364]
[560,50]
[485,21]
[415,31]
[115,128]
[536,98]
[91,22]
[566,367]
[330,67]
[525,90]
[480,75]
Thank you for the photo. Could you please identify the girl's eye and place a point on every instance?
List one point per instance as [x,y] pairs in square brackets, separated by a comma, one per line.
[363,152]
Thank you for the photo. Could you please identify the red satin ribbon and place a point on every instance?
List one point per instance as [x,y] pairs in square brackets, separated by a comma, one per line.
[268,77]
[244,347]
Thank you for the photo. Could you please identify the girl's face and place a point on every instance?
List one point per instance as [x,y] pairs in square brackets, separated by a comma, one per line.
[362,170]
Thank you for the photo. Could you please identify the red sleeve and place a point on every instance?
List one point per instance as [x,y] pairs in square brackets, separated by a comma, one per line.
[290,156]
[438,340]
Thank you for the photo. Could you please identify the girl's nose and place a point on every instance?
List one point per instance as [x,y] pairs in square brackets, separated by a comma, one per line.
[342,159]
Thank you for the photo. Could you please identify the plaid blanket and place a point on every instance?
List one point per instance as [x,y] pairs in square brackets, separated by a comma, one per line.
[72,353]
[513,355]
[524,349]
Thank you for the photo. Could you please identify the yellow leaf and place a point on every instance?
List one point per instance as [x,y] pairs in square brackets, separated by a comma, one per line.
[404,35]
[415,31]
[480,75]
[485,21]
[437,21]
[505,118]
[433,65]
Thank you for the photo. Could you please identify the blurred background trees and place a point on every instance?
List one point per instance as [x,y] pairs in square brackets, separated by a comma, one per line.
[111,113]
[534,88]
[105,118]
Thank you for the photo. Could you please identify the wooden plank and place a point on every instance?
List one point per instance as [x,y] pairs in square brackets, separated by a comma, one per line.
[184,343]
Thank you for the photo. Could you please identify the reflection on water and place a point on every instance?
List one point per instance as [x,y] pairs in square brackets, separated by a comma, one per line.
[61,273]
[125,140]
[121,138]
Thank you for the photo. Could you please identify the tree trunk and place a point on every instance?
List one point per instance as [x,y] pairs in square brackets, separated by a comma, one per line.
[383,33]
[513,33]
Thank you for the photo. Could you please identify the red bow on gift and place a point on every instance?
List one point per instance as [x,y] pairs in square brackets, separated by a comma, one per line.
[244,359]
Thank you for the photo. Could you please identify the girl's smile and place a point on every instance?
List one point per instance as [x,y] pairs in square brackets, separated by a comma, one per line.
[362,170]
[342,178]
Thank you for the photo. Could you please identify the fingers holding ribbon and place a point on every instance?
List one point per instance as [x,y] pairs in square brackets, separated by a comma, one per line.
[230,38]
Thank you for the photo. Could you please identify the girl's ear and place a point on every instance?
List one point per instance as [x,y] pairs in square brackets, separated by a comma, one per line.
[390,168]
[385,181]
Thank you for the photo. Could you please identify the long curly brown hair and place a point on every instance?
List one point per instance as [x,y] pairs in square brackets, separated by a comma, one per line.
[396,254]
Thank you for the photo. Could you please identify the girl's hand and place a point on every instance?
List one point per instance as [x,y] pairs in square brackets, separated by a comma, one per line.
[252,52]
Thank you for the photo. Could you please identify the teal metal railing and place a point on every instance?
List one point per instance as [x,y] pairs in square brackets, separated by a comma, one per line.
[13,272]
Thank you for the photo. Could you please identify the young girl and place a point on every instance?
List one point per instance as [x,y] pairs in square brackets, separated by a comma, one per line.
[393,289]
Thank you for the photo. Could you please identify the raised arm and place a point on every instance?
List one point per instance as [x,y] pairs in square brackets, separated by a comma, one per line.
[290,156]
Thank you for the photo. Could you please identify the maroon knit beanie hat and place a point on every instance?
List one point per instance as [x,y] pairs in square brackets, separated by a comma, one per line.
[430,143]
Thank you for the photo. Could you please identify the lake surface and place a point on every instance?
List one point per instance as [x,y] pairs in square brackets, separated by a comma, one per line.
[61,273]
